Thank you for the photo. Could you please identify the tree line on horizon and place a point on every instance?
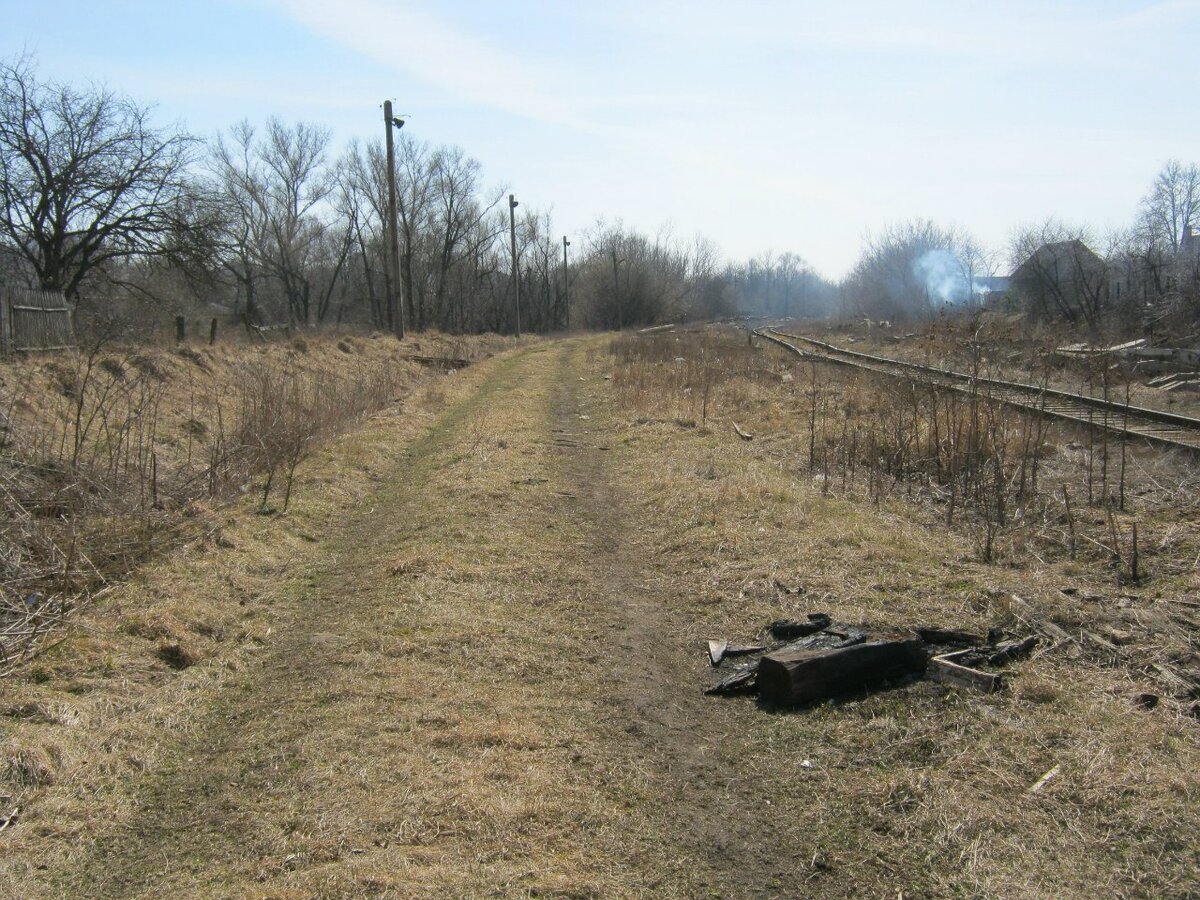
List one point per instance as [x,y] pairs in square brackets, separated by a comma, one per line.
[270,225]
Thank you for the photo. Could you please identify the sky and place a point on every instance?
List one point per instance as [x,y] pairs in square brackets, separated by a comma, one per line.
[780,125]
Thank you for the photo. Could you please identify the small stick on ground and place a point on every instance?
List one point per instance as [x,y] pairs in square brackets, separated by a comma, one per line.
[1070,519]
[1043,781]
[1133,555]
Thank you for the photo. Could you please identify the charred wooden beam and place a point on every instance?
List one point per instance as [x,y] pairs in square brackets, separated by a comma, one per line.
[786,629]
[1012,650]
[803,676]
[932,634]
[740,681]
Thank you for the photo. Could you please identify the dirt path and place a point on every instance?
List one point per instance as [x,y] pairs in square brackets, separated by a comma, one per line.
[478,688]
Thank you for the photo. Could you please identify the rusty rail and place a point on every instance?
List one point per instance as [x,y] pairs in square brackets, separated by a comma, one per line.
[1157,426]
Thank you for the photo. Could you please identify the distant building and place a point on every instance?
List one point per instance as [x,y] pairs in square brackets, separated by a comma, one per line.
[1063,279]
[1189,244]
[991,289]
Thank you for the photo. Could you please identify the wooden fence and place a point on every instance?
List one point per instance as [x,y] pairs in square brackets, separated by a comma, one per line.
[34,320]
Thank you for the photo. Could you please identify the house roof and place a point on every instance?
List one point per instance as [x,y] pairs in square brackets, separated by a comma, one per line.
[1049,257]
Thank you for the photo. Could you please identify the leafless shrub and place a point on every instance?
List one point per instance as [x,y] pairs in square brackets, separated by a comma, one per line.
[1007,475]
[96,478]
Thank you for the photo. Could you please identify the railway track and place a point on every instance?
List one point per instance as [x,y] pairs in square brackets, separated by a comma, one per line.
[1157,426]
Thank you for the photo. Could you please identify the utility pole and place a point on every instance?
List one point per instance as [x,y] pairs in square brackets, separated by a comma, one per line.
[516,273]
[617,292]
[395,298]
[566,291]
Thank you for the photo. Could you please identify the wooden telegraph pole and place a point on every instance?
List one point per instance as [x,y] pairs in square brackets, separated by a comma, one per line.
[566,283]
[395,297]
[617,292]
[516,272]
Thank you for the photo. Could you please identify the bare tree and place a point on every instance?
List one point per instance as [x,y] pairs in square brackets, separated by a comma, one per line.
[1172,206]
[414,194]
[240,185]
[278,224]
[85,178]
[297,184]
[458,209]
[909,270]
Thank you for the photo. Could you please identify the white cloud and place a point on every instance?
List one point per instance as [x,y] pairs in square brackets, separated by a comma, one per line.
[467,65]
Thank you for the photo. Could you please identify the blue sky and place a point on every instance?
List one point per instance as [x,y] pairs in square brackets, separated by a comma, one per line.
[761,124]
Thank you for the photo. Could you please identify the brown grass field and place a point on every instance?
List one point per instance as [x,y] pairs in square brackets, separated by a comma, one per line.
[468,661]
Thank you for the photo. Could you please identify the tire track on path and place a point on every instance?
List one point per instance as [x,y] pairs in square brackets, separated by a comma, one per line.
[478,688]
[231,772]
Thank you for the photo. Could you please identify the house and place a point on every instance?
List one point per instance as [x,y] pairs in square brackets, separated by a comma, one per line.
[1189,244]
[1063,279]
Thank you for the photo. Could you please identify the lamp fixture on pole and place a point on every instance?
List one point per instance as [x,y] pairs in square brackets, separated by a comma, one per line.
[395,294]
[566,286]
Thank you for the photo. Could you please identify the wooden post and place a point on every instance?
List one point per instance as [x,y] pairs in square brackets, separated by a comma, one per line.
[617,292]
[212,332]
[1133,555]
[5,324]
[566,284]
[395,299]
[516,272]
[180,329]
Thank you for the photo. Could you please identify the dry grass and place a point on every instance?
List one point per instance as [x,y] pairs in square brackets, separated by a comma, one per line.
[114,454]
[924,789]
[468,663]
[353,660]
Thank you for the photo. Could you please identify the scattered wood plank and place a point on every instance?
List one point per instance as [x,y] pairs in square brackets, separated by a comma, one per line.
[933,635]
[1053,631]
[1019,608]
[743,649]
[787,629]
[1175,679]
[1195,604]
[948,672]
[1101,642]
[719,650]
[789,677]
[740,681]
[1118,636]
[655,329]
[1012,650]
[744,435]
[716,651]
[832,638]
[440,362]
[959,655]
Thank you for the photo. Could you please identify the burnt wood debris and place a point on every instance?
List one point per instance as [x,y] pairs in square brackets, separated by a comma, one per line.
[819,659]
